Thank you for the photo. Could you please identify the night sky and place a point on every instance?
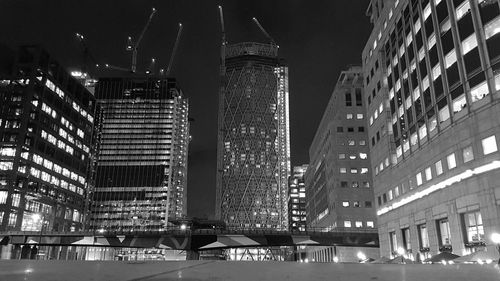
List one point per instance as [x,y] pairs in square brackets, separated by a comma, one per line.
[317,39]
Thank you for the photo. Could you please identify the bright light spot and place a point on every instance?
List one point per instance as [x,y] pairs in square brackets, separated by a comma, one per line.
[183,227]
[488,261]
[495,237]
[401,251]
[28,270]
[306,260]
[451,262]
[361,256]
[443,262]
[101,230]
[335,259]
[36,217]
[480,262]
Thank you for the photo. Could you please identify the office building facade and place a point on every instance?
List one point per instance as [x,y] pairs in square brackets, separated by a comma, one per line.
[253,138]
[432,80]
[142,167]
[297,199]
[46,145]
[339,192]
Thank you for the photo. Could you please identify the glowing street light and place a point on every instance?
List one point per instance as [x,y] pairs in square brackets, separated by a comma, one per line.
[361,256]
[183,227]
[335,259]
[495,237]
[401,252]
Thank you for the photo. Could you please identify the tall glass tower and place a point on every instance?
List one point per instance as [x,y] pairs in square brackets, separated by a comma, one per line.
[142,167]
[253,138]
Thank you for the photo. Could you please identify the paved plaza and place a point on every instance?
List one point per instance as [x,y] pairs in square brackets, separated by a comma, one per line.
[221,270]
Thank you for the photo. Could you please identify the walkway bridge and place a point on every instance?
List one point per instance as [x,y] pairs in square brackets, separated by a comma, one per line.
[194,240]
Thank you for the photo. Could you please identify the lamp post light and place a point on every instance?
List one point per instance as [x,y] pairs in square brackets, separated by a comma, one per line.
[495,237]
[362,257]
[401,252]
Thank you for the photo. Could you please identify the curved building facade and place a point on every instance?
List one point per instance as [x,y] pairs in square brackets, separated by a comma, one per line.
[253,138]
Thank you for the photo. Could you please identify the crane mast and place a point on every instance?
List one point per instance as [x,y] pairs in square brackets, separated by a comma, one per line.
[224,42]
[264,31]
[174,51]
[134,46]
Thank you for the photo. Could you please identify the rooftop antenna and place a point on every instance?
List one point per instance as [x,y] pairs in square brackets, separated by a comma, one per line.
[134,46]
[264,31]
[174,51]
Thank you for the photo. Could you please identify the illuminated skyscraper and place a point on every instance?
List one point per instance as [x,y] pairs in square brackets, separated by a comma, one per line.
[142,166]
[253,138]
[46,145]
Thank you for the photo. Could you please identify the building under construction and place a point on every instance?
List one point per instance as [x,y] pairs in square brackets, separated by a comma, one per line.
[253,137]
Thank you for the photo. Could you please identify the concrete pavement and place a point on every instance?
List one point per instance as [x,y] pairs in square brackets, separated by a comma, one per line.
[13,270]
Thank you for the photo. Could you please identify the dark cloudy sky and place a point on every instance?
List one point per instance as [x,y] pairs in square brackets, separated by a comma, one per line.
[317,38]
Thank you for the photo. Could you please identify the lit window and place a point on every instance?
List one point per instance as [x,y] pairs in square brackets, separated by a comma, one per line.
[359,224]
[489,145]
[469,43]
[370,224]
[422,131]
[419,179]
[341,155]
[359,116]
[347,223]
[349,116]
[468,154]
[462,10]
[450,58]
[474,227]
[427,11]
[439,168]
[354,170]
[431,41]
[444,114]
[363,155]
[364,170]
[450,159]
[459,103]
[345,204]
[343,170]
[390,195]
[428,173]
[362,142]
[436,71]
[351,142]
[479,92]
[492,28]
[352,156]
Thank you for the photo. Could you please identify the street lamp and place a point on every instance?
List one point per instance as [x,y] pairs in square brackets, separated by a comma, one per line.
[361,256]
[495,237]
[401,252]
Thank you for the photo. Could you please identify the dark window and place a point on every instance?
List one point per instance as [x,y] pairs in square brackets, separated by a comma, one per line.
[343,184]
[373,141]
[379,199]
[361,129]
[348,99]
[359,98]
[488,10]
[340,129]
[368,204]
[378,136]
[350,129]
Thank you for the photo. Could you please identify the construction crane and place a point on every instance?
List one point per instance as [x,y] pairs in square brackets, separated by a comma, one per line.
[174,51]
[134,46]
[87,55]
[264,31]
[224,42]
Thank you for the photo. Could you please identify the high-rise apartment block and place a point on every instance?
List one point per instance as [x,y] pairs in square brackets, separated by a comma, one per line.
[432,81]
[142,167]
[253,138]
[297,199]
[339,191]
[46,145]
